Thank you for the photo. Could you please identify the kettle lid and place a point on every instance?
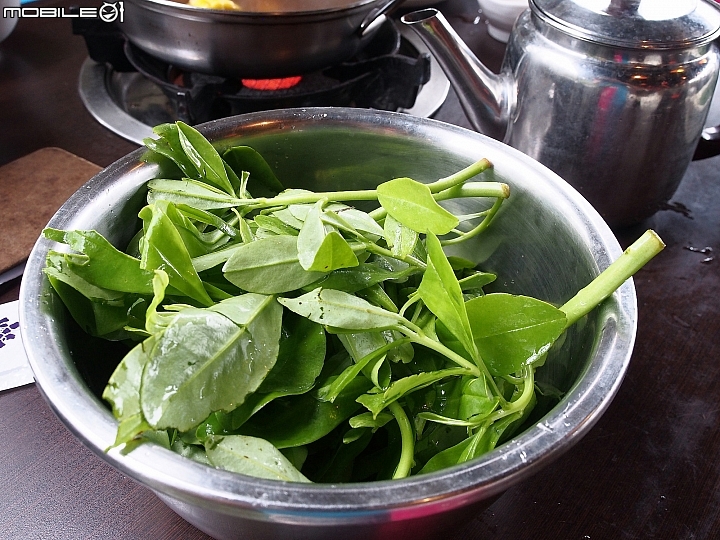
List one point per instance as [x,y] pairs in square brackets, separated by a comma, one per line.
[636,24]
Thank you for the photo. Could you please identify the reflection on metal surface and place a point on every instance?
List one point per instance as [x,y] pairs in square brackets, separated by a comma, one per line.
[93,87]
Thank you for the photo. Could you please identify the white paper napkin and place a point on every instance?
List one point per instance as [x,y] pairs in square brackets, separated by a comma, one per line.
[14,368]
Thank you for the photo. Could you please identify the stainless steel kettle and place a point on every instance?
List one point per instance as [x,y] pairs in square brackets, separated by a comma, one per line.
[610,94]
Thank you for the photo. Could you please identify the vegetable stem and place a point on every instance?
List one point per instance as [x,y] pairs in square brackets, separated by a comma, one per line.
[421,339]
[521,402]
[460,176]
[309,197]
[484,224]
[408,443]
[474,189]
[379,250]
[632,259]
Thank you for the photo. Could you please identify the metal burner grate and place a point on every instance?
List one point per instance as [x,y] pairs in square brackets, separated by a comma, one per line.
[129,91]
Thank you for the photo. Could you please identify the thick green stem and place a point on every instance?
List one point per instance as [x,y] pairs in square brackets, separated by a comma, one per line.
[407,439]
[309,197]
[474,189]
[482,189]
[634,258]
[460,176]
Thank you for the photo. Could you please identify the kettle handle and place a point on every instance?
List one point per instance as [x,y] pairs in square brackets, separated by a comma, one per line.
[709,143]
[377,17]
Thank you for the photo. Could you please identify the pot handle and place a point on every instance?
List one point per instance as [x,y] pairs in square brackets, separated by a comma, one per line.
[709,143]
[377,17]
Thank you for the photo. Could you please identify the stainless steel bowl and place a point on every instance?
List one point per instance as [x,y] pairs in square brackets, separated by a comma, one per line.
[547,242]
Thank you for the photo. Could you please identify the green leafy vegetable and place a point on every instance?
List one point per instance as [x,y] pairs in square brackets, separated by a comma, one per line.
[253,457]
[286,335]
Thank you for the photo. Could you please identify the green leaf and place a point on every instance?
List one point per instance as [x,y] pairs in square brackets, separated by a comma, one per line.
[365,275]
[274,225]
[360,221]
[441,293]
[513,331]
[302,419]
[245,158]
[366,420]
[210,359]
[481,443]
[191,451]
[287,217]
[204,157]
[375,294]
[123,388]
[95,317]
[341,310]
[100,312]
[163,249]
[300,359]
[251,456]
[57,268]
[296,455]
[190,192]
[156,321]
[169,146]
[412,204]
[399,238]
[335,385]
[192,238]
[476,280]
[375,403]
[359,346]
[320,250]
[214,258]
[334,252]
[209,219]
[268,266]
[477,399]
[103,265]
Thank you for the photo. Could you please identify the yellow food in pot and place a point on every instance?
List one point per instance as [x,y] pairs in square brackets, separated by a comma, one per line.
[214,4]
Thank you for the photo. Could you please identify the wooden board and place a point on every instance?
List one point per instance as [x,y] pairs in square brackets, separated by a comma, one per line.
[32,188]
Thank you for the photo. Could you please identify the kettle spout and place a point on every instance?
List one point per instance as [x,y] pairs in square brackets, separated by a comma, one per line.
[485,97]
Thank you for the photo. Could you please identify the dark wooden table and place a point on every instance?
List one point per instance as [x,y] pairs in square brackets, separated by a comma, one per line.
[650,468]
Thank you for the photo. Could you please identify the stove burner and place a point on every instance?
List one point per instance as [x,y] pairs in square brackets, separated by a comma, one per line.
[389,73]
[386,74]
[269,85]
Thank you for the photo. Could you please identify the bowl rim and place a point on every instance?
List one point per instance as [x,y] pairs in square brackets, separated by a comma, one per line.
[182,479]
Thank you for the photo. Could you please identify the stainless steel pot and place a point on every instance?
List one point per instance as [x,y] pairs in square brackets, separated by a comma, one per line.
[547,242]
[265,39]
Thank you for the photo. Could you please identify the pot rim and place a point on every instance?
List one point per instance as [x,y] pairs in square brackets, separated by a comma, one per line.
[171,7]
[192,482]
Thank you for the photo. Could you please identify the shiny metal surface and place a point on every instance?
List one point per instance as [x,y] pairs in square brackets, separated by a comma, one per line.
[548,242]
[619,124]
[262,41]
[634,24]
[129,105]
[486,98]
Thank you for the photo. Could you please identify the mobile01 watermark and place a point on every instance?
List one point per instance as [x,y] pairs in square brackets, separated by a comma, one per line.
[108,12]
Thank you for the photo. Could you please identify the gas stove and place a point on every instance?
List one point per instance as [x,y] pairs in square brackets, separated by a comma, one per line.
[129,91]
